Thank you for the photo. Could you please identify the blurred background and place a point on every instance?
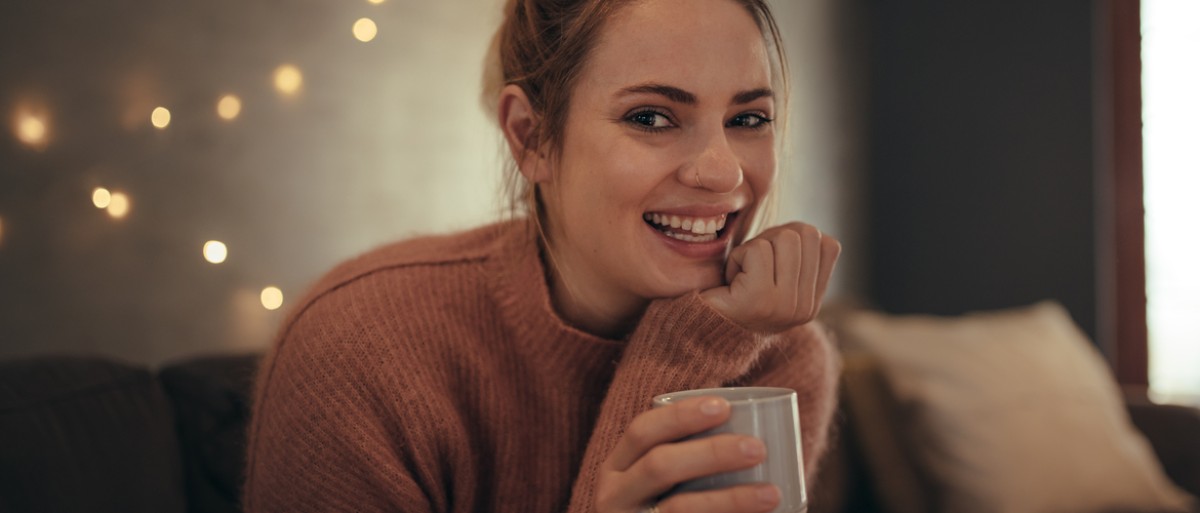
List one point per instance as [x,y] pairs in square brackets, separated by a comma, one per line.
[174,173]
[295,134]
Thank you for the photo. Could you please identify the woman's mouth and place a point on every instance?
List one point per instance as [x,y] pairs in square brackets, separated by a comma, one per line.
[688,228]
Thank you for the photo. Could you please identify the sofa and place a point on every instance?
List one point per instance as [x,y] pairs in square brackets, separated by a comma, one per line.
[848,483]
[90,434]
[1011,410]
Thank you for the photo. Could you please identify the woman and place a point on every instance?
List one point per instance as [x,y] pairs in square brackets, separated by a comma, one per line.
[510,368]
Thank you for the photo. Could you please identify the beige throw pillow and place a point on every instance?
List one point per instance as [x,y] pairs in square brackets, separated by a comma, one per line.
[1014,412]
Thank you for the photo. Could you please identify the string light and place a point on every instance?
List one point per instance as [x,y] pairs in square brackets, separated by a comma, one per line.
[229,106]
[31,129]
[365,29]
[215,251]
[118,205]
[160,118]
[101,198]
[271,297]
[288,79]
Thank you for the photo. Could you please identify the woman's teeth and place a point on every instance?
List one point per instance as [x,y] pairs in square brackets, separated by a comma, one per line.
[688,229]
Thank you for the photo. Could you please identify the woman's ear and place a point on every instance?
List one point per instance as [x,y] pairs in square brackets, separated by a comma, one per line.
[519,123]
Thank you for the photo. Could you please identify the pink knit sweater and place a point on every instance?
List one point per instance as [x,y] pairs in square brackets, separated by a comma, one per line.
[433,375]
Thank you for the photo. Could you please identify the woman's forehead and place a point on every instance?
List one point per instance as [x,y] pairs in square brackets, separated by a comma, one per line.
[707,47]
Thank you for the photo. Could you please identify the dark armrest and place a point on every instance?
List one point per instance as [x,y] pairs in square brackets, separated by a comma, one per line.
[1174,432]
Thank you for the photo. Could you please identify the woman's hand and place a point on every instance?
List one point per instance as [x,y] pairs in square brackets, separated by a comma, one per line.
[777,280]
[649,460]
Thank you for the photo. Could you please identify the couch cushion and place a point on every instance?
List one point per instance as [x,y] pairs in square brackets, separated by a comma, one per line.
[873,414]
[1013,411]
[211,397]
[86,434]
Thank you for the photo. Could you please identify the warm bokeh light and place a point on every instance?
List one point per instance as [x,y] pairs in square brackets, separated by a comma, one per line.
[375,1]
[1,231]
[31,129]
[229,106]
[101,198]
[272,298]
[365,29]
[288,79]
[118,205]
[215,251]
[160,118]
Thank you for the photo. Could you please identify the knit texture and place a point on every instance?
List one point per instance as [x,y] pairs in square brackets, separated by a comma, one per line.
[433,375]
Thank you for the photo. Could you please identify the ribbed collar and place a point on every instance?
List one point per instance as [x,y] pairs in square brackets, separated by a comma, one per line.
[518,280]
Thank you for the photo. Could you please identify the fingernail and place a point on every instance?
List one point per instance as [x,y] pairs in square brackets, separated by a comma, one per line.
[753,448]
[768,495]
[712,406]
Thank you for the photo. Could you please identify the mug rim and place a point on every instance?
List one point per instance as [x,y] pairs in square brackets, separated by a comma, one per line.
[761,394]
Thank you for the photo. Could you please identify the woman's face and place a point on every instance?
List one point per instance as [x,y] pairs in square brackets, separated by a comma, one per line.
[666,140]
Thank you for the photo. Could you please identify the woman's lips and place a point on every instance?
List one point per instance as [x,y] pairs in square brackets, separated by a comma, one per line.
[692,236]
[687,228]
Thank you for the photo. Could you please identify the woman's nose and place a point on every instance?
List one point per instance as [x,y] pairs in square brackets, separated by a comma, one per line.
[715,167]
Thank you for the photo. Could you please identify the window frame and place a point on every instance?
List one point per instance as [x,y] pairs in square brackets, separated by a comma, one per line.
[1121,214]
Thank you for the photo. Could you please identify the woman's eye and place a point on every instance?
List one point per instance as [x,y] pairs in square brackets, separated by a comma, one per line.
[650,119]
[749,121]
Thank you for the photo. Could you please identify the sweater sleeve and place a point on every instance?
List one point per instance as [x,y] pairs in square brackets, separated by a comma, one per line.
[683,344]
[317,440]
[804,360]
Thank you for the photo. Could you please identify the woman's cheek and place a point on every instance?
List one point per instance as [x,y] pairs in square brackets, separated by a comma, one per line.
[760,165]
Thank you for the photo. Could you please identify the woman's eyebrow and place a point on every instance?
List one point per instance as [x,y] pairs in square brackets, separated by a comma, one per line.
[678,95]
[751,95]
[672,93]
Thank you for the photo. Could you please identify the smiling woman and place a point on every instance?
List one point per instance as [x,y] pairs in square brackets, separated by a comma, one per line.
[510,368]
[653,135]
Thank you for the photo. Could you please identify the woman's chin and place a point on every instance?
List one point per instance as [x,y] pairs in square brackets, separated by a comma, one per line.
[696,280]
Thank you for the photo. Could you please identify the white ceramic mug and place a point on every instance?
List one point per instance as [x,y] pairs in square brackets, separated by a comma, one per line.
[769,414]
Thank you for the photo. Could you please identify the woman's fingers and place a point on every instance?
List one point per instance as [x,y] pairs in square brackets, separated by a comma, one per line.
[646,458]
[830,250]
[756,268]
[733,264]
[810,264]
[670,464]
[777,280]
[788,264]
[664,425]
[737,499]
